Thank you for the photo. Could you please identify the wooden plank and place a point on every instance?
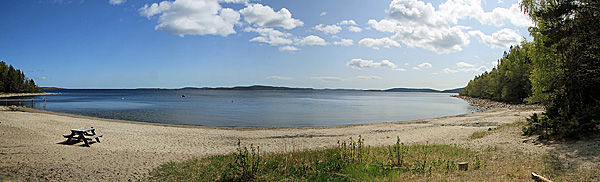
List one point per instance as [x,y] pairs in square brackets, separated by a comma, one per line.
[67,135]
[93,136]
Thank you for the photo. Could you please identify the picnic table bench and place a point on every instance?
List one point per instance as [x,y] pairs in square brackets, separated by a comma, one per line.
[84,134]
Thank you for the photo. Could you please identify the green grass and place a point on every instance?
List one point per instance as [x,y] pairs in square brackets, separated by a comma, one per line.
[351,160]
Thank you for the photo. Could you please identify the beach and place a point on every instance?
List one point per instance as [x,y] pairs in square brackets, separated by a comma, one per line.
[31,141]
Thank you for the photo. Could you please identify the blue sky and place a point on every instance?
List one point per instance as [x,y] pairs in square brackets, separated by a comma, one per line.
[210,43]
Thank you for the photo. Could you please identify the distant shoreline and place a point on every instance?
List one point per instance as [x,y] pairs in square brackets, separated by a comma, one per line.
[11,95]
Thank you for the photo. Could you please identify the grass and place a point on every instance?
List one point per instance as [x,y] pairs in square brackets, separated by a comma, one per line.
[481,134]
[351,160]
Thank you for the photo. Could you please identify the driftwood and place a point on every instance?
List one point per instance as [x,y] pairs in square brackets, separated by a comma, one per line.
[539,178]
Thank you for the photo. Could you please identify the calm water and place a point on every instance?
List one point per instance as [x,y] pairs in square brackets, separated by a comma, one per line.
[254,108]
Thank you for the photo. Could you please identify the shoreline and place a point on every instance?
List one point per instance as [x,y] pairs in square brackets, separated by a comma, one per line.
[486,104]
[31,143]
[13,95]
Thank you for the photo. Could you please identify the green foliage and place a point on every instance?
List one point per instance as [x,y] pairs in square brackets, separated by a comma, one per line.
[566,71]
[351,160]
[245,166]
[509,82]
[14,81]
[560,69]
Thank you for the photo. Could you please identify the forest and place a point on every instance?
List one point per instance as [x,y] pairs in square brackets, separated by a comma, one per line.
[558,69]
[14,81]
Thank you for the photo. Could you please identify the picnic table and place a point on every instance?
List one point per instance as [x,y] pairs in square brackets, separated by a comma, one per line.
[84,134]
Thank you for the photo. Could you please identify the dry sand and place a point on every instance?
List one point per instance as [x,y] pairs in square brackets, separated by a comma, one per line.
[31,143]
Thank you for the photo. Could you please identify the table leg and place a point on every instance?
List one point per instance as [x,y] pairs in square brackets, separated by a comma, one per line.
[82,137]
[70,137]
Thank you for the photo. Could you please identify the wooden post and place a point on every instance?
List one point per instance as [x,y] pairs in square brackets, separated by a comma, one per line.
[463,166]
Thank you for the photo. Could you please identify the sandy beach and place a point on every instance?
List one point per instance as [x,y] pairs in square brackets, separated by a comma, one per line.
[31,141]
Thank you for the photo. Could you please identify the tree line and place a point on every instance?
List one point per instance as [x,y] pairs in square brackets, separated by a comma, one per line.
[14,81]
[560,69]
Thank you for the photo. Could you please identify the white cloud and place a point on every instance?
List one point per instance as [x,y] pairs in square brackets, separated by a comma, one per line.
[463,64]
[425,65]
[360,63]
[369,77]
[265,16]
[279,78]
[347,22]
[288,48]
[323,13]
[415,68]
[328,29]
[480,69]
[327,79]
[453,10]
[189,17]
[376,43]
[116,2]
[399,69]
[344,42]
[312,40]
[418,24]
[501,39]
[354,29]
[448,70]
[271,36]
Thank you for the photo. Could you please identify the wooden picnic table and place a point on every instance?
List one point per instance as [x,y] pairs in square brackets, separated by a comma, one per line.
[84,134]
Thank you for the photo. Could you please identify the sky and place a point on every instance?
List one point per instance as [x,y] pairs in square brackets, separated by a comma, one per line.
[356,44]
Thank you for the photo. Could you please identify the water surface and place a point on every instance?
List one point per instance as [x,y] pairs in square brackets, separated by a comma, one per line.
[253,108]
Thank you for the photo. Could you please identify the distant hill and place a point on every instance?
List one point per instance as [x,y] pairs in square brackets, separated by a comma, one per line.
[456,90]
[264,87]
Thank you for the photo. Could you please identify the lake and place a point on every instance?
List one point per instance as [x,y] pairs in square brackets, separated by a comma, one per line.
[244,108]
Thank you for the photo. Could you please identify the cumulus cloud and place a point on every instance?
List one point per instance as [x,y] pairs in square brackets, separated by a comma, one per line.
[425,65]
[354,29]
[399,69]
[312,40]
[116,2]
[448,70]
[453,10]
[192,17]
[270,36]
[323,13]
[288,48]
[369,77]
[501,39]
[376,43]
[265,16]
[418,24]
[347,22]
[279,78]
[463,64]
[344,42]
[360,63]
[328,29]
[480,69]
[327,79]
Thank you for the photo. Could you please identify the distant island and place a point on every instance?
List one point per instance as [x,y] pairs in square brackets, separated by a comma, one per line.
[263,87]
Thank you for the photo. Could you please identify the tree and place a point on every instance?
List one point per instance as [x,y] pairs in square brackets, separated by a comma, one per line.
[566,60]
